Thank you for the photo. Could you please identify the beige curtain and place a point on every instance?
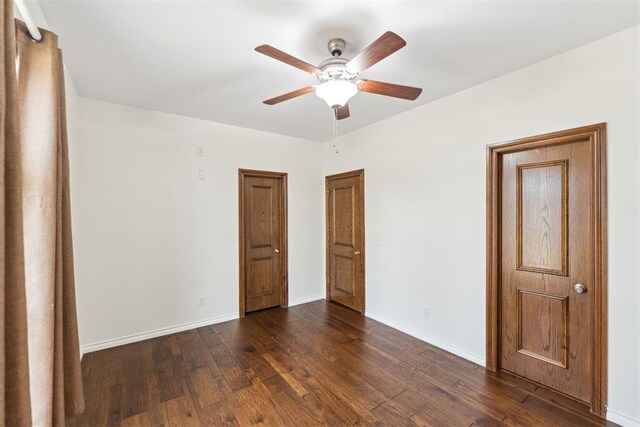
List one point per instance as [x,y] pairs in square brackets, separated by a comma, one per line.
[37,131]
[15,409]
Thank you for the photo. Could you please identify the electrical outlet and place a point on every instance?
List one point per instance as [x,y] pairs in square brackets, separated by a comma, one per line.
[200,301]
[202,175]
[200,151]
[427,312]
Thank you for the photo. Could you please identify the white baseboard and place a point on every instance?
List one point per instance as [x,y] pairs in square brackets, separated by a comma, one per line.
[114,342]
[305,300]
[621,419]
[433,341]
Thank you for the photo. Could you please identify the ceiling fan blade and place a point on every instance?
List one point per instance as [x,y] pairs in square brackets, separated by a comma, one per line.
[389,89]
[388,43]
[342,112]
[274,53]
[289,95]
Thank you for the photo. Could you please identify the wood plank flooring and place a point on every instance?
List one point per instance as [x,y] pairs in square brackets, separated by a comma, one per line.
[312,364]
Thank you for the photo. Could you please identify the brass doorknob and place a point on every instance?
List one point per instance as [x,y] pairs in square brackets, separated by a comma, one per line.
[276,251]
[580,288]
[356,253]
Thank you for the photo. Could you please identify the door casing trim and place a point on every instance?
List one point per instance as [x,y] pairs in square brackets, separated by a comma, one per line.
[596,136]
[284,250]
[359,173]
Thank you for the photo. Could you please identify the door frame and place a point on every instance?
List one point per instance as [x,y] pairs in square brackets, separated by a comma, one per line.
[596,137]
[284,250]
[359,173]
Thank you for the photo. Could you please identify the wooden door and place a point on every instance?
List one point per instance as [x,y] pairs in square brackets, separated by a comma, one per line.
[262,240]
[345,239]
[550,218]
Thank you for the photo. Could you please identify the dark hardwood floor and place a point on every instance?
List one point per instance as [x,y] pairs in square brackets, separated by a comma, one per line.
[317,363]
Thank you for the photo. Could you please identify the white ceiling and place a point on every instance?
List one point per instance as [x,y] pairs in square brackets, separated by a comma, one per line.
[196,58]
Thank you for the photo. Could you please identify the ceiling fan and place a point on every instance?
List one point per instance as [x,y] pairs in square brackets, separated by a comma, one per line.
[337,76]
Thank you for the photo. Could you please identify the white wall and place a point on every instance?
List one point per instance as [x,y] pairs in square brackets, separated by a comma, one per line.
[155,238]
[425,198]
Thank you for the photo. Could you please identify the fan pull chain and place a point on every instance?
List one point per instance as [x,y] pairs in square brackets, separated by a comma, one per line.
[335,130]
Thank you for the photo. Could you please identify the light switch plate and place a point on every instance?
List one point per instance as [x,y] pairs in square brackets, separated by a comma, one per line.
[202,175]
[200,151]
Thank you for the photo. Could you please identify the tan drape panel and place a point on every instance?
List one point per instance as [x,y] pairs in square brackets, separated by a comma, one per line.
[54,356]
[15,409]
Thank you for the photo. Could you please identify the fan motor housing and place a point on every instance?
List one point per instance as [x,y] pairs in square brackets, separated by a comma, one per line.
[334,69]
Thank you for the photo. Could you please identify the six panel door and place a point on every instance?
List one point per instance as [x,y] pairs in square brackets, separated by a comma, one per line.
[262,226]
[345,240]
[547,266]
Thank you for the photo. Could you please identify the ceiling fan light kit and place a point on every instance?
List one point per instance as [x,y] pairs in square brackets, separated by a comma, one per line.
[336,93]
[337,76]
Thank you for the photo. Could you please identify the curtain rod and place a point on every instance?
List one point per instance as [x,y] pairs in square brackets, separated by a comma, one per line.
[34,31]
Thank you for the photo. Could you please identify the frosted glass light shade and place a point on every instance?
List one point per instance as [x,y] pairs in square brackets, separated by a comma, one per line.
[336,93]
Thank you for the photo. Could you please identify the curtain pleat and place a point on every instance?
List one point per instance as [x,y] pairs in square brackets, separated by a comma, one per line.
[54,357]
[36,89]
[15,408]
[68,398]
